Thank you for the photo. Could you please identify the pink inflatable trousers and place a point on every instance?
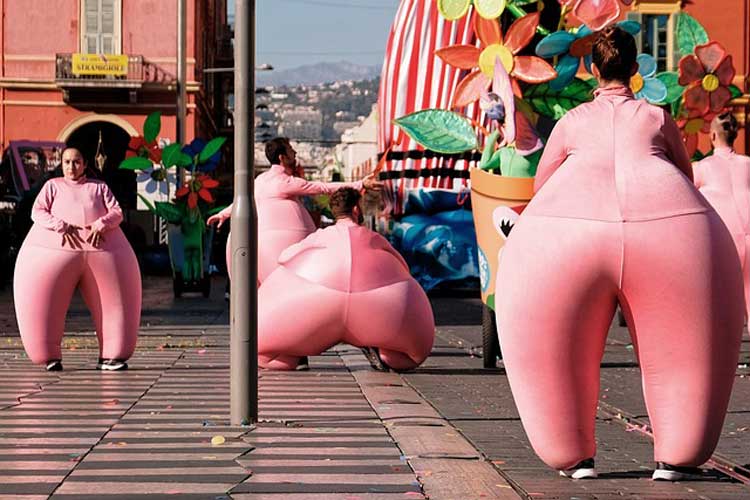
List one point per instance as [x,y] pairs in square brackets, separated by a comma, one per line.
[616,219]
[48,271]
[346,284]
[724,179]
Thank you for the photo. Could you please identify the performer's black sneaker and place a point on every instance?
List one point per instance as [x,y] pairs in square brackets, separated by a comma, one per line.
[303,364]
[54,365]
[111,365]
[582,470]
[667,472]
[373,356]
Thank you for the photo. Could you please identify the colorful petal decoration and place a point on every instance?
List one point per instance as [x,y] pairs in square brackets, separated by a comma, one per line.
[490,9]
[706,75]
[595,14]
[439,130]
[571,49]
[453,9]
[459,56]
[644,84]
[470,88]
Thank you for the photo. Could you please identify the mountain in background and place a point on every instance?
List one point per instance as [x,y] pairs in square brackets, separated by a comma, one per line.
[315,74]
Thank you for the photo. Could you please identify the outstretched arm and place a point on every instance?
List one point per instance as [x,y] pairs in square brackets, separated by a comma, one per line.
[220,217]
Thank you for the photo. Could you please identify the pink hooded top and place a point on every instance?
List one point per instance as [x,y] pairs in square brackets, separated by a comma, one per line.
[724,179]
[615,159]
[82,202]
[357,259]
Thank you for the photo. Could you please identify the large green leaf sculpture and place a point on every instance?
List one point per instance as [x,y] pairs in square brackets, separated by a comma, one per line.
[555,103]
[674,89]
[689,33]
[439,130]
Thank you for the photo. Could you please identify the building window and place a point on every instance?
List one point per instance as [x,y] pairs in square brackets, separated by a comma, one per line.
[657,37]
[101,26]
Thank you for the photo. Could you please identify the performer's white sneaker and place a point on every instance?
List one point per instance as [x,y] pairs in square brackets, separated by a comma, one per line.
[54,365]
[582,470]
[667,472]
[111,365]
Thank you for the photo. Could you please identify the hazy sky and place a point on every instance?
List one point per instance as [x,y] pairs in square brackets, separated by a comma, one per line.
[292,33]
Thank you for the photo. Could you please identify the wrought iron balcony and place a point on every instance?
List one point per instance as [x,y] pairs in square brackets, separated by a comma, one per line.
[138,73]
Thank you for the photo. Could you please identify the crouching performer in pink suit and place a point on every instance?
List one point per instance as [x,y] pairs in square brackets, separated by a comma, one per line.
[282,218]
[346,284]
[616,218]
[724,179]
[76,242]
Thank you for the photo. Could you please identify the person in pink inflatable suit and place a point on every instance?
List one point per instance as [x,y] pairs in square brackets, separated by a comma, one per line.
[616,218]
[344,283]
[282,218]
[724,179]
[76,242]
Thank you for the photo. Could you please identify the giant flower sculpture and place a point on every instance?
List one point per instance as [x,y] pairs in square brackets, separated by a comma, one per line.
[139,146]
[595,14]
[644,83]
[197,188]
[572,48]
[707,75]
[493,45]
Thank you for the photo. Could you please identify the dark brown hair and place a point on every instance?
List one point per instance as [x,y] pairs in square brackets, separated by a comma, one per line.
[343,201]
[614,53]
[727,126]
[275,148]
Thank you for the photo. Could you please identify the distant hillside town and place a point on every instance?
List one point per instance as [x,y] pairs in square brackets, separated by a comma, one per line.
[332,125]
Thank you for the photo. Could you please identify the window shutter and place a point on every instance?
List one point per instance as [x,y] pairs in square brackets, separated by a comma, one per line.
[101,33]
[637,17]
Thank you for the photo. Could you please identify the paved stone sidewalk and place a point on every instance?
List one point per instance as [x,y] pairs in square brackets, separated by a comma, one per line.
[479,404]
[160,430]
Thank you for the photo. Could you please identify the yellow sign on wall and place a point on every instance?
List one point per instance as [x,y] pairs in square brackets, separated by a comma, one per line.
[100,64]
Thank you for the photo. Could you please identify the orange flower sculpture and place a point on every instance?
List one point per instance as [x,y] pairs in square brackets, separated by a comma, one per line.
[707,75]
[530,69]
[195,188]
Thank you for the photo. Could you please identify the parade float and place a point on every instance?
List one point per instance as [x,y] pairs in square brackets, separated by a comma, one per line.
[188,237]
[471,88]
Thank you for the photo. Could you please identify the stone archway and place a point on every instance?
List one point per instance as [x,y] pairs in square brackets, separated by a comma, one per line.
[75,124]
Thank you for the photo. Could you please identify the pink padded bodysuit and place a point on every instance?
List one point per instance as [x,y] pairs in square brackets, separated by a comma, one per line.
[282,219]
[617,218]
[347,284]
[47,273]
[724,179]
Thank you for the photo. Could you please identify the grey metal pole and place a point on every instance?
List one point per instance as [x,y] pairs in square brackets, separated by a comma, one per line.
[181,69]
[244,292]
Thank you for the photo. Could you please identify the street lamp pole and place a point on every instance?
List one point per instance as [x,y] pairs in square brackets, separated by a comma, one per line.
[181,70]
[244,292]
